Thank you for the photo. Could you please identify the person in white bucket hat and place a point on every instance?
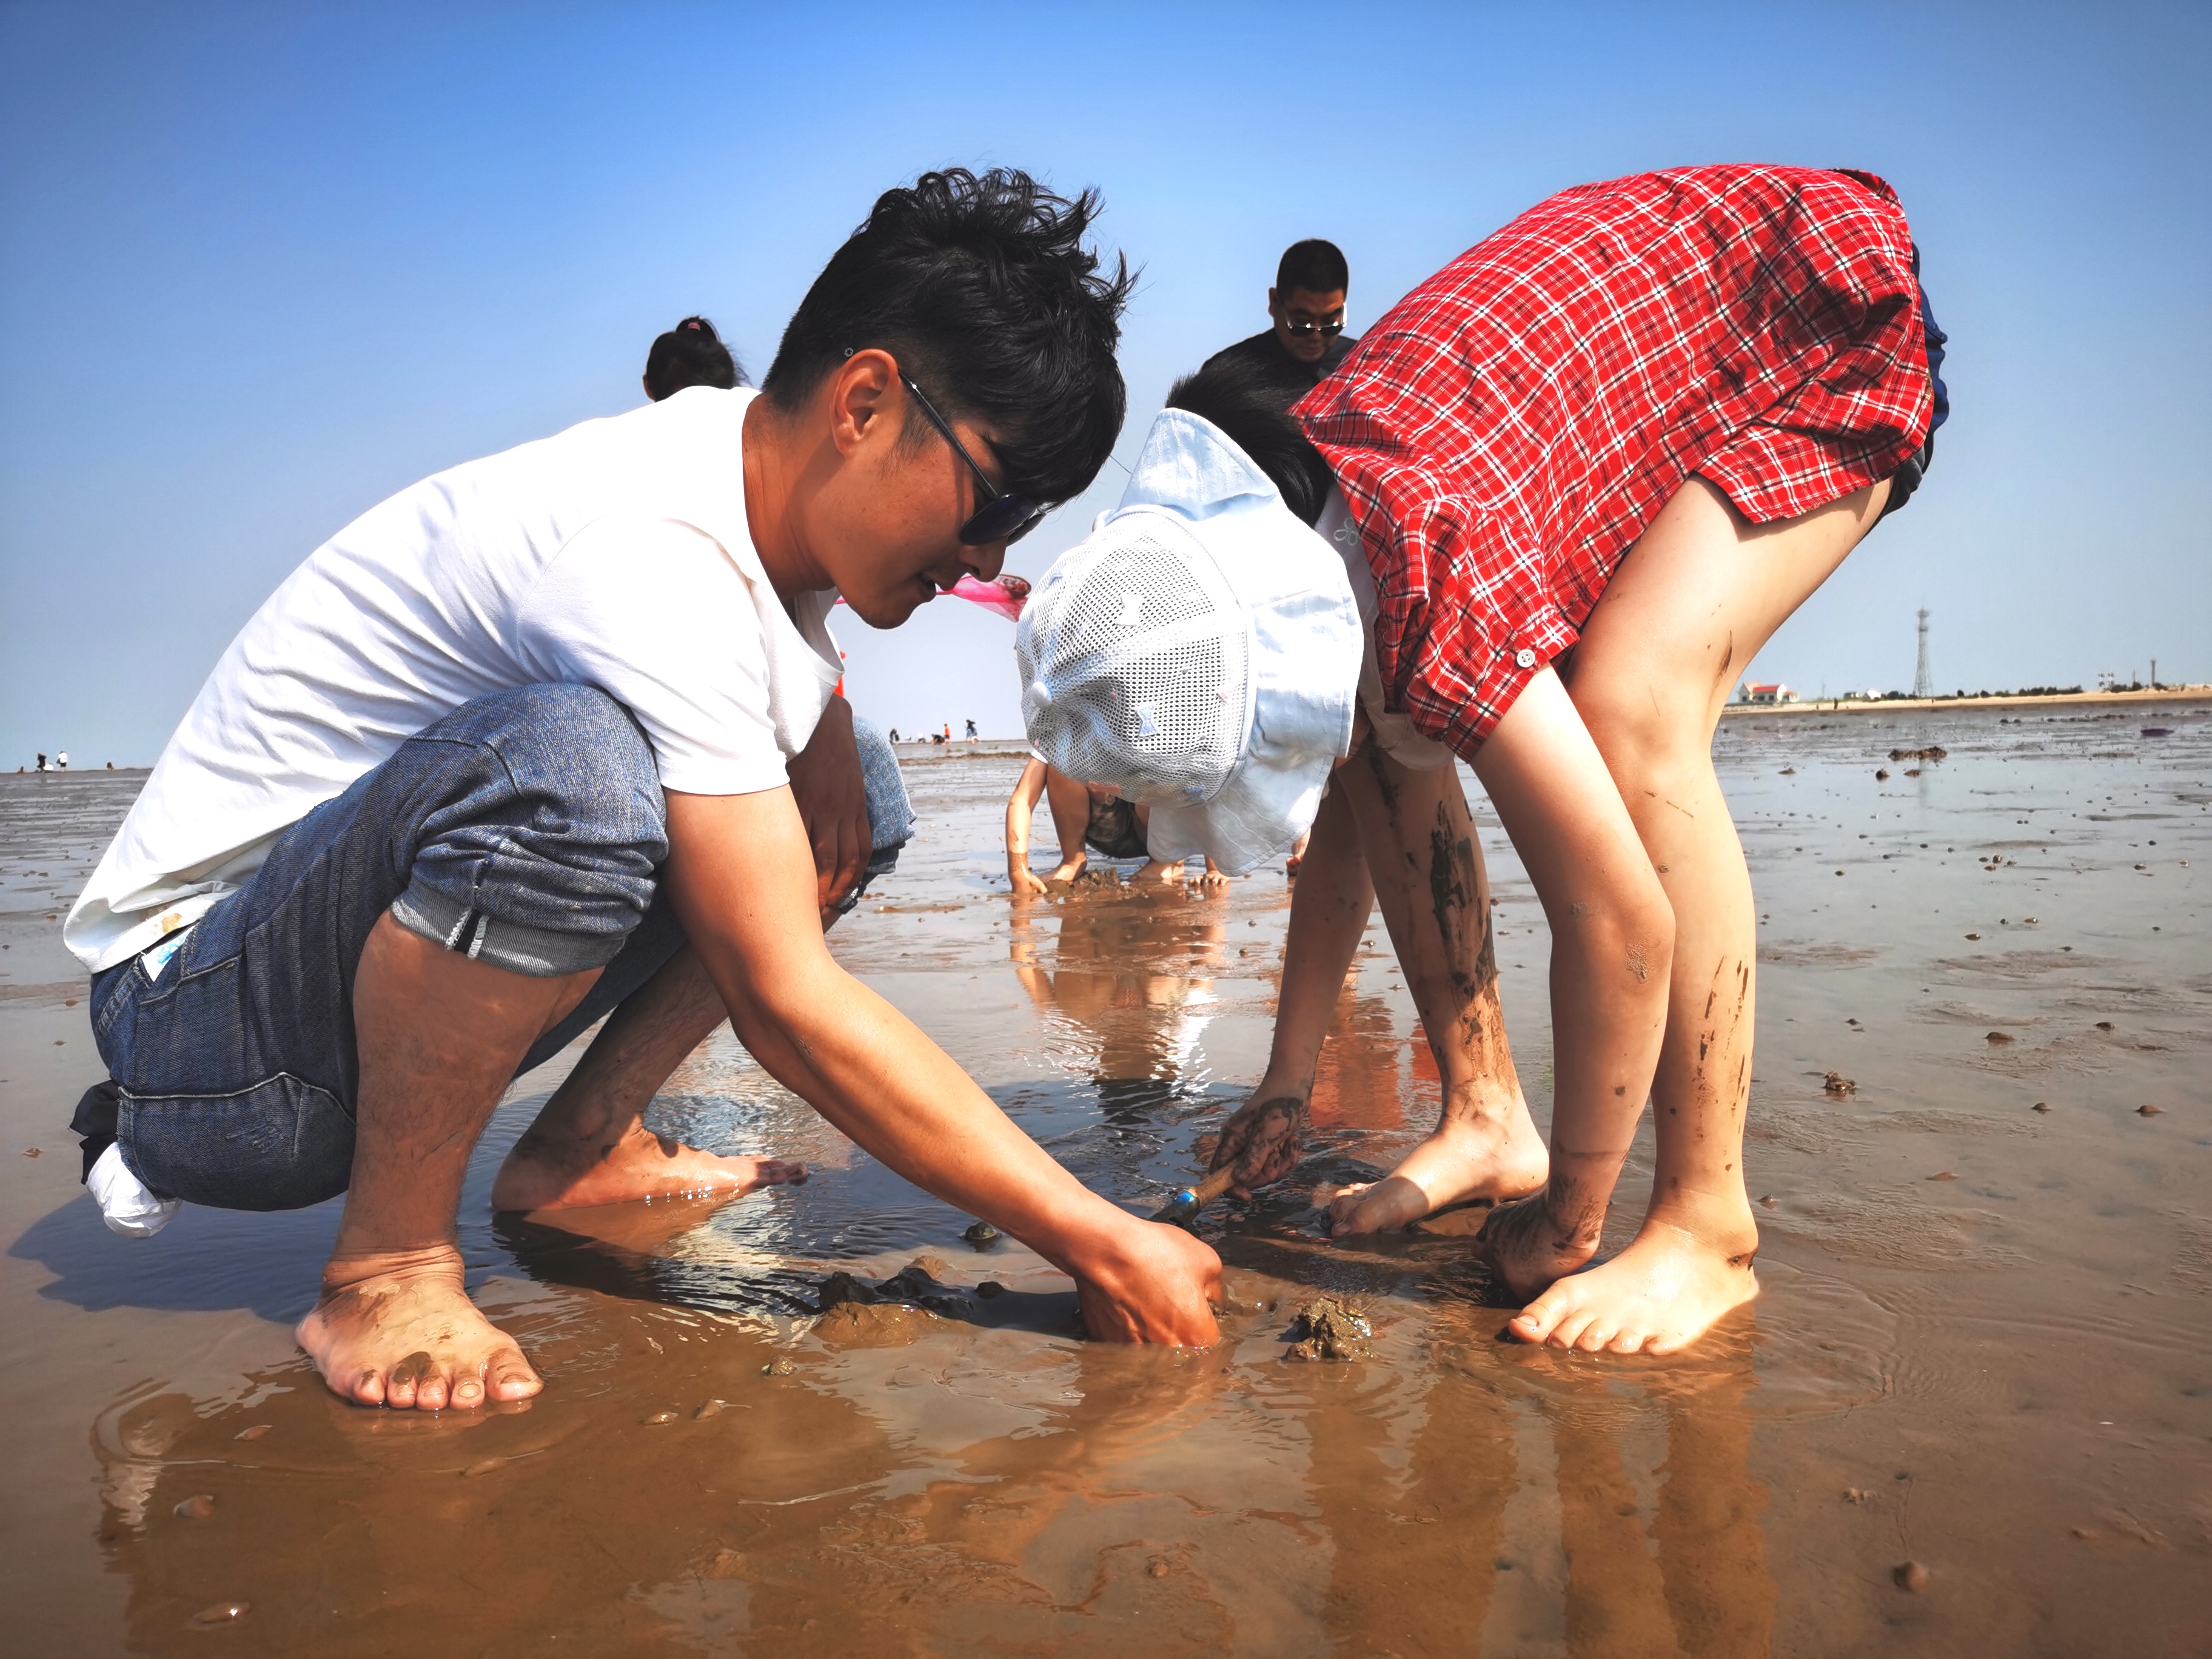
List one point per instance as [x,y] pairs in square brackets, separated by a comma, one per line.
[1579,476]
[1198,652]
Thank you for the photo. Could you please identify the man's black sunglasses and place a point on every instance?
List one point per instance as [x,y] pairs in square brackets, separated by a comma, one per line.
[1002,517]
[1330,329]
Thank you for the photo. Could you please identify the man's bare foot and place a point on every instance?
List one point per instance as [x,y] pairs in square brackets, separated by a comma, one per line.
[398,1330]
[1163,872]
[1497,1158]
[1658,1296]
[553,1172]
[1067,871]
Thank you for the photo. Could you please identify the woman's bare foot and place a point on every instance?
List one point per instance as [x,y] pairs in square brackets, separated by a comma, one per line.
[1661,1294]
[1494,1156]
[398,1330]
[548,1171]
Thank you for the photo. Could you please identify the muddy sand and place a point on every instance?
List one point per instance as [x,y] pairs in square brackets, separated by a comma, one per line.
[1970,1413]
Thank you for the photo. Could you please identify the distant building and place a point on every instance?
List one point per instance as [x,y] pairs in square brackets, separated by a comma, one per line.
[1773,691]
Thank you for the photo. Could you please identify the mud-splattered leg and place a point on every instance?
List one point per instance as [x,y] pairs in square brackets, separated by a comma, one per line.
[1427,868]
[1694,600]
[1329,913]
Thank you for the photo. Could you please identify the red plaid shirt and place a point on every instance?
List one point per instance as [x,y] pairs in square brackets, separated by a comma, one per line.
[1510,428]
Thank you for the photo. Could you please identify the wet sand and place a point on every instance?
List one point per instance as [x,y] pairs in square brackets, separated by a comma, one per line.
[1985,1348]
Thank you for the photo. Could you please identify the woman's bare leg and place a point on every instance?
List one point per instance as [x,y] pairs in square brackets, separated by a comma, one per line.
[1694,600]
[1330,909]
[1426,864]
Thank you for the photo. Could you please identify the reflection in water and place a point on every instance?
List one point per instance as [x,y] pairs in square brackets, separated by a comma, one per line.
[1129,987]
[979,1489]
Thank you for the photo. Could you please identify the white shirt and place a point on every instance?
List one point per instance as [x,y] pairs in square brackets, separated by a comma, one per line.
[1394,733]
[616,554]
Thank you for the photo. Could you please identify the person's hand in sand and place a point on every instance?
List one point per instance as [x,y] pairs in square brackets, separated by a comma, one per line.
[860,1063]
[1583,697]
[1071,818]
[1261,1140]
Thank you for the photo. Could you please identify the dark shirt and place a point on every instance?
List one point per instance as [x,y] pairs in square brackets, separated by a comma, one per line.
[1264,353]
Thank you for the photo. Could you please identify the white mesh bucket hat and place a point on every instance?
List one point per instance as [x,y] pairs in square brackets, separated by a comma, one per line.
[1198,651]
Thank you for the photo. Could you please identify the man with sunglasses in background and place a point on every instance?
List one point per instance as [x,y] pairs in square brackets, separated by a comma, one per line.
[553,738]
[1306,341]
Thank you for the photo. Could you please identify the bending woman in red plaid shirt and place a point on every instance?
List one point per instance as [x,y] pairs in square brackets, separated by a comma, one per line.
[1573,483]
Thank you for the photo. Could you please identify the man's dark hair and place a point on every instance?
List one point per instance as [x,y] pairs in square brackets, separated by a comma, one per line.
[1255,412]
[979,285]
[689,353]
[1314,265]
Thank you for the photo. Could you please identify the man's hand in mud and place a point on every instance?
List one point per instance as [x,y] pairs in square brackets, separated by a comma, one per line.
[833,802]
[1261,1139]
[1211,877]
[1158,1284]
[1025,881]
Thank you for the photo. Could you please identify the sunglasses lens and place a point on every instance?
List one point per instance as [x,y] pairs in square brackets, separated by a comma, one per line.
[1007,519]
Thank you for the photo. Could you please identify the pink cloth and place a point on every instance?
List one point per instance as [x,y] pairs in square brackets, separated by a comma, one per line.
[1006,596]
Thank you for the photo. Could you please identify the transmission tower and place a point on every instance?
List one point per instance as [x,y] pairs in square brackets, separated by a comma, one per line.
[1924,683]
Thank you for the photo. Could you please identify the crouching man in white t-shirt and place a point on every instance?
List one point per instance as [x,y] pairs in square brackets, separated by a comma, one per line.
[553,736]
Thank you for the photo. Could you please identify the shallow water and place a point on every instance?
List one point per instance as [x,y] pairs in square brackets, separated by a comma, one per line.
[1984,1343]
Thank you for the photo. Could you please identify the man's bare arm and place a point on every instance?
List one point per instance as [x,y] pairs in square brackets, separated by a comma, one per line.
[741,873]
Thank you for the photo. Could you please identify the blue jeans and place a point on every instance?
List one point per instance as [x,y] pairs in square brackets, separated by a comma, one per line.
[527,828]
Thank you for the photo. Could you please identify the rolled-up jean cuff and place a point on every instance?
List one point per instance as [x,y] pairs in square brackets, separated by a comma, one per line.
[539,952]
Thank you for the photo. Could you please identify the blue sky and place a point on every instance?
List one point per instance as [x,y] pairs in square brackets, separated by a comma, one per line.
[263,265]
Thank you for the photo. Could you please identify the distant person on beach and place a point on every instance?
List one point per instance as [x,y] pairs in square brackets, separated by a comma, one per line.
[1540,520]
[61,761]
[552,738]
[1086,818]
[42,762]
[1304,340]
[690,354]
[971,729]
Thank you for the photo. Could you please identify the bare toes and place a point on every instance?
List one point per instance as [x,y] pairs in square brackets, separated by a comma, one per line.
[404,1384]
[468,1391]
[1535,1322]
[512,1377]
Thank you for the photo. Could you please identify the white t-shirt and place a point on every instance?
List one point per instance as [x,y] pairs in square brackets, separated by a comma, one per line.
[1394,732]
[616,554]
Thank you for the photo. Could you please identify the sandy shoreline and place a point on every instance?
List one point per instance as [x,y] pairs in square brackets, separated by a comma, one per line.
[1946,705]
[1983,1343]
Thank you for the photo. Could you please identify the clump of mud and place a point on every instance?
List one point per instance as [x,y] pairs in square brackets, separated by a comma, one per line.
[891,1311]
[1329,1328]
[1936,752]
[1092,878]
[1839,1085]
